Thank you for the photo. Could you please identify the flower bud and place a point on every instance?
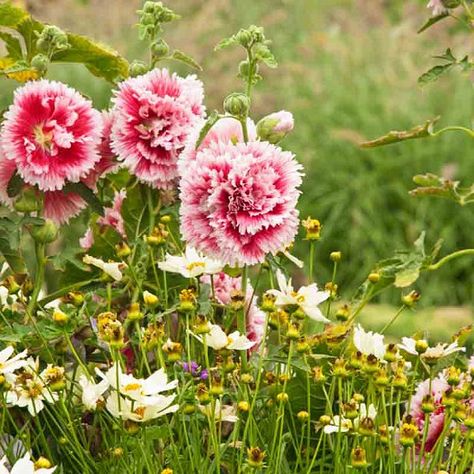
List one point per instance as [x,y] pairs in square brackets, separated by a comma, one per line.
[134,313]
[243,406]
[303,416]
[359,458]
[75,298]
[246,378]
[350,410]
[335,256]
[454,376]
[421,346]
[268,302]
[427,404]
[40,63]
[45,233]
[173,350]
[202,394]
[160,49]
[237,104]
[411,298]
[313,228]
[302,345]
[325,420]
[400,381]
[150,299]
[255,457]
[167,470]
[122,250]
[187,298]
[244,69]
[343,312]
[293,332]
[138,68]
[59,317]
[367,427]
[274,127]
[28,201]
[50,39]
[282,397]
[374,277]
[408,434]
[391,353]
[42,463]
[339,368]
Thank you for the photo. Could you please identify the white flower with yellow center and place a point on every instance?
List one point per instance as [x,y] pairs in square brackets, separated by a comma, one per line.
[221,412]
[191,265]
[442,350]
[338,424]
[112,269]
[9,364]
[92,392]
[307,298]
[218,339]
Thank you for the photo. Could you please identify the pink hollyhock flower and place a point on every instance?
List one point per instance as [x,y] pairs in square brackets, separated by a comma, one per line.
[238,201]
[439,386]
[226,130]
[112,215]
[51,133]
[154,115]
[437,7]
[107,163]
[224,286]
[58,205]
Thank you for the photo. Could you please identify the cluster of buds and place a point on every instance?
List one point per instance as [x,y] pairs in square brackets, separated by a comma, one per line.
[153,335]
[159,235]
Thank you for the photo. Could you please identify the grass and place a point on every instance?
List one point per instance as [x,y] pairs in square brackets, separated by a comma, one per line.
[347,72]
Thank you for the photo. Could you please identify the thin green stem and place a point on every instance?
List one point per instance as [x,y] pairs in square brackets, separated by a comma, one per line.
[448,258]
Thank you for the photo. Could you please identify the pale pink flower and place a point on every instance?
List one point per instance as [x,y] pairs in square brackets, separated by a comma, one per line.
[437,7]
[112,215]
[226,130]
[439,386]
[51,133]
[154,115]
[238,201]
[58,205]
[224,285]
[87,240]
[471,363]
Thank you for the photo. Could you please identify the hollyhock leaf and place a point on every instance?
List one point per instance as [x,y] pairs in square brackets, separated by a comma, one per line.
[419,131]
[9,245]
[101,60]
[225,43]
[10,15]
[87,194]
[184,58]
[434,73]
[15,185]
[432,21]
[12,46]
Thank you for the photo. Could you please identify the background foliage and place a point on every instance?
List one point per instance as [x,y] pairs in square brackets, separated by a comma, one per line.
[348,73]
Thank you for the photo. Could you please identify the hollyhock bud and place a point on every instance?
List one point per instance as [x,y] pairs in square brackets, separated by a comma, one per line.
[237,104]
[137,68]
[45,233]
[28,201]
[51,38]
[160,48]
[40,63]
[274,127]
[244,69]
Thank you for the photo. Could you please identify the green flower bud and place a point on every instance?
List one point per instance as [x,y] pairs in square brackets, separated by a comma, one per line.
[40,62]
[160,48]
[274,127]
[45,233]
[27,202]
[237,104]
[137,68]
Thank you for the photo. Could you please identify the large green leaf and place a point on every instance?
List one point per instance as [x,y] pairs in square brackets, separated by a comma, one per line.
[11,16]
[9,244]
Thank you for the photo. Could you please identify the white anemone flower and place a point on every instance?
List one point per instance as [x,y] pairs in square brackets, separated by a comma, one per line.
[368,342]
[24,465]
[192,264]
[92,392]
[218,339]
[113,269]
[442,350]
[9,364]
[221,412]
[127,409]
[408,345]
[307,298]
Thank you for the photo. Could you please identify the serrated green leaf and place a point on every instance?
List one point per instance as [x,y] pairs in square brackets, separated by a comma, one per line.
[420,131]
[432,21]
[225,43]
[11,16]
[87,194]
[262,53]
[434,73]
[9,245]
[184,58]
[101,60]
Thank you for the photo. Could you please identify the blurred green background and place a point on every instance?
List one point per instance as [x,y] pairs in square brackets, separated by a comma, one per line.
[348,72]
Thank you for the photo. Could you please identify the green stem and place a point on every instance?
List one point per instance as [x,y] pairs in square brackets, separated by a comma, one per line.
[63,291]
[241,318]
[448,258]
[468,131]
[39,277]
[395,317]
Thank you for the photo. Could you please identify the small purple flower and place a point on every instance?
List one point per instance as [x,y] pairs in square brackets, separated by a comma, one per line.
[204,374]
[194,369]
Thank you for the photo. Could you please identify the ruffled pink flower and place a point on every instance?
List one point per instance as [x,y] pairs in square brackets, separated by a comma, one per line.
[58,205]
[112,215]
[439,386]
[238,201]
[226,130]
[154,115]
[51,133]
[108,162]
[224,286]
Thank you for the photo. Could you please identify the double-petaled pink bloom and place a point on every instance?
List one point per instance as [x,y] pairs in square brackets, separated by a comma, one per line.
[154,115]
[51,137]
[238,201]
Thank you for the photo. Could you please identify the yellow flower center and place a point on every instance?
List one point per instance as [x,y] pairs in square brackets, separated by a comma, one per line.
[43,139]
[140,412]
[131,387]
[193,265]
[299,298]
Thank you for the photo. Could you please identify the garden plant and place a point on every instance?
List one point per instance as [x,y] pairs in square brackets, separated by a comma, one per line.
[171,337]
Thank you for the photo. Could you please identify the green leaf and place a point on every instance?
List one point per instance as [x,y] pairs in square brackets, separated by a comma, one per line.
[99,59]
[262,53]
[87,194]
[184,58]
[432,21]
[420,131]
[226,42]
[11,16]
[434,73]
[210,122]
[9,244]
[15,185]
